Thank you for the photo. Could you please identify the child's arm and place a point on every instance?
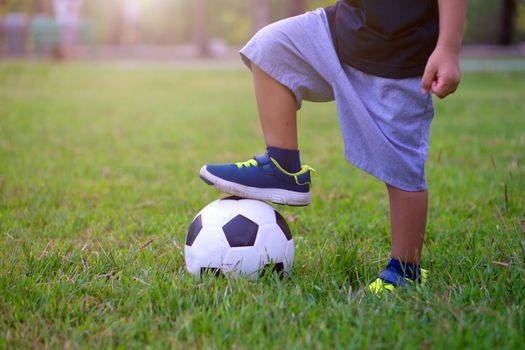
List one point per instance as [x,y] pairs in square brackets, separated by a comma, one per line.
[442,72]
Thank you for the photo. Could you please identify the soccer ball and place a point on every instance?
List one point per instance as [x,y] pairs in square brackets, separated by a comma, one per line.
[238,237]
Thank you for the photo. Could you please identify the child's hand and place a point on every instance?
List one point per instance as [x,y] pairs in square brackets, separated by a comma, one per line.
[442,73]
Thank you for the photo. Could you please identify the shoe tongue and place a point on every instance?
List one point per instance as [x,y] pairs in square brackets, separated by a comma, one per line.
[262,159]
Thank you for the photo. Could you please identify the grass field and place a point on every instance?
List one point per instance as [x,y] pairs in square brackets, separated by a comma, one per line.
[99,182]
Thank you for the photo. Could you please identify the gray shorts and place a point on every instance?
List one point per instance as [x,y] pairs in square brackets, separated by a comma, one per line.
[385,122]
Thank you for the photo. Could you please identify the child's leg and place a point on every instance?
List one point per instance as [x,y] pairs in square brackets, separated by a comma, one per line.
[276,176]
[278,116]
[282,58]
[277,110]
[408,217]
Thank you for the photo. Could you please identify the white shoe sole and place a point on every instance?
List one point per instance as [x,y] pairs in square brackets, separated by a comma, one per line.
[274,195]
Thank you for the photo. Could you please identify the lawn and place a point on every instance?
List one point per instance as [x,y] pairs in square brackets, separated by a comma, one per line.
[99,183]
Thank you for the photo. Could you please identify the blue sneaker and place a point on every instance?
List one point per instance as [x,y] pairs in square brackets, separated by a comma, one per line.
[261,178]
[390,279]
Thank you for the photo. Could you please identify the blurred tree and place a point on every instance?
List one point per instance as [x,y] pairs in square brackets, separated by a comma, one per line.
[520,22]
[508,21]
[297,7]
[169,22]
[260,14]
[42,6]
[200,27]
[481,26]
[107,16]
[231,21]
[26,6]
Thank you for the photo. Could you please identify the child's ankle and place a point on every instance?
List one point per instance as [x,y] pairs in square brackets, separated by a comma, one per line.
[288,159]
[407,270]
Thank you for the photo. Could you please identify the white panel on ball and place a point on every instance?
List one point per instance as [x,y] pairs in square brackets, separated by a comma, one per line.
[271,243]
[259,212]
[242,261]
[208,250]
[219,212]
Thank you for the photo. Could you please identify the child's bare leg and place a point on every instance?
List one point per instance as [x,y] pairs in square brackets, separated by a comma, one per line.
[277,111]
[408,217]
[277,175]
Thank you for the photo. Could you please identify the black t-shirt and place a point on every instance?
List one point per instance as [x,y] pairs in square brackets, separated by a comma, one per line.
[387,38]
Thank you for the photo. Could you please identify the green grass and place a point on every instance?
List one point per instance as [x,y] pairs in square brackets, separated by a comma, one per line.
[98,184]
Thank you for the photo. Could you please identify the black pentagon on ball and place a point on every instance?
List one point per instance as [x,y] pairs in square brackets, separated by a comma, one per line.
[240,231]
[283,225]
[194,230]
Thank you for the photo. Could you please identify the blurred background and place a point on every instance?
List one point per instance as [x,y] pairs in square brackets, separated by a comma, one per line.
[171,29]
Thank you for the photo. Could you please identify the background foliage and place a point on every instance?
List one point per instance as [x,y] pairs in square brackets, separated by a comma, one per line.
[170,21]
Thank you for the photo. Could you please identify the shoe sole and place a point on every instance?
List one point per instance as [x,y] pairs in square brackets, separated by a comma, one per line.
[274,195]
